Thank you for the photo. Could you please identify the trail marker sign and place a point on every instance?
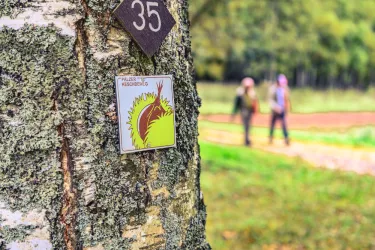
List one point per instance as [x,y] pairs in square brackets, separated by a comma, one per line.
[146,112]
[148,21]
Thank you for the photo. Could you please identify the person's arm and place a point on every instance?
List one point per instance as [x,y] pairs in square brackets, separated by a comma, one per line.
[288,104]
[256,105]
[271,100]
[237,104]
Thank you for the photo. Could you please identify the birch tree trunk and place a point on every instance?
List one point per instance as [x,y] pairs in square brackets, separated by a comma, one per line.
[63,183]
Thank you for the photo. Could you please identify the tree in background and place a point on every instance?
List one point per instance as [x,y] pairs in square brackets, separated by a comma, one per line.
[63,184]
[318,43]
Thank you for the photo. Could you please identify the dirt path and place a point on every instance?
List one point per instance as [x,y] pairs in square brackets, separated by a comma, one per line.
[359,161]
[304,121]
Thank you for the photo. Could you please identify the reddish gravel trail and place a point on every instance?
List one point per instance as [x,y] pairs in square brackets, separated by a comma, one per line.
[304,121]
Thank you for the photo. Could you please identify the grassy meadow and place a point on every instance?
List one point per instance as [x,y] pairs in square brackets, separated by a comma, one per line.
[218,98]
[258,200]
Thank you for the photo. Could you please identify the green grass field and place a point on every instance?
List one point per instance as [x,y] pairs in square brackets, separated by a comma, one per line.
[218,98]
[257,200]
[362,137]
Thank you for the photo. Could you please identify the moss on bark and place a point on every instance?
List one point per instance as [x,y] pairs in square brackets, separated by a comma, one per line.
[52,83]
[13,7]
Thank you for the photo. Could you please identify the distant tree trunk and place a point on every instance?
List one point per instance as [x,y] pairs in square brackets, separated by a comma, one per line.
[300,76]
[271,68]
[372,76]
[63,183]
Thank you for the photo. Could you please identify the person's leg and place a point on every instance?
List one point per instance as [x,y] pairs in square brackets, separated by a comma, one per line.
[246,115]
[245,122]
[272,126]
[285,129]
[249,128]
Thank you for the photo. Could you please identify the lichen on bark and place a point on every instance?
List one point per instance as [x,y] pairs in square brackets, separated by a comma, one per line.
[59,143]
[12,7]
[37,69]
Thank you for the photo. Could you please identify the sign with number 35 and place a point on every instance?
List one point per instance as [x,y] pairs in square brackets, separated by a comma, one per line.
[148,21]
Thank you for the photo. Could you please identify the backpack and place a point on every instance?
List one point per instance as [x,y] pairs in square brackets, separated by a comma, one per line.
[250,103]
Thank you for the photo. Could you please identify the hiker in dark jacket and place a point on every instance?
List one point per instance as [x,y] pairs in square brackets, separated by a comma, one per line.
[246,103]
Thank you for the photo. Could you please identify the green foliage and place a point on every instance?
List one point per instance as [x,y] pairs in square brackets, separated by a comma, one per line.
[267,201]
[219,98]
[324,39]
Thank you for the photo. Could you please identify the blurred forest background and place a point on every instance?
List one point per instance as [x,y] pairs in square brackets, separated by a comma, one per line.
[317,43]
[318,193]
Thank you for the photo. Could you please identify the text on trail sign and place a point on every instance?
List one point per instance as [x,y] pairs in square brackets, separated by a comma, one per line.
[148,21]
[150,12]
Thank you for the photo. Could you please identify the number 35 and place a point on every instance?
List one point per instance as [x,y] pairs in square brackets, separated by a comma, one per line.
[150,13]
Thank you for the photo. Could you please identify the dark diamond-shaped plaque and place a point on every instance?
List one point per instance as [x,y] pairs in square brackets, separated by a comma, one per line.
[148,21]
